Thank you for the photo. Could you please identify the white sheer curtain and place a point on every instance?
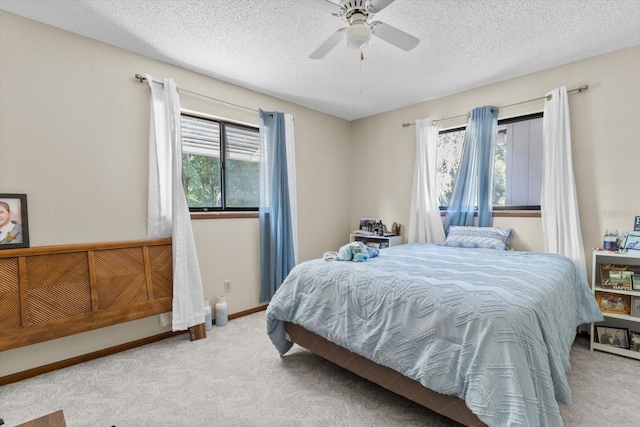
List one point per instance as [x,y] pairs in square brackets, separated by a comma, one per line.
[425,222]
[291,173]
[168,212]
[559,203]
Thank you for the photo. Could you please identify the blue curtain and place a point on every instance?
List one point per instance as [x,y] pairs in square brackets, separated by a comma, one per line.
[277,256]
[474,179]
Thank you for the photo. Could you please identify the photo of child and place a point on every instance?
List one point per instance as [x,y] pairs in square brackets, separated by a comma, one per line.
[614,303]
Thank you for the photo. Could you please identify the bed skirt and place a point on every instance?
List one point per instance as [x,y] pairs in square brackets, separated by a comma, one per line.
[449,406]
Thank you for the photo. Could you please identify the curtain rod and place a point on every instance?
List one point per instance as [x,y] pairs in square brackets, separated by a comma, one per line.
[143,78]
[547,97]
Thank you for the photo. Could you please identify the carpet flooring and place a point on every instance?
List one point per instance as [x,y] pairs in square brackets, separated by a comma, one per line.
[235,377]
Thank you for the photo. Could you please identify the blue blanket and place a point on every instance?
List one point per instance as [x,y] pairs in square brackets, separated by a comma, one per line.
[492,327]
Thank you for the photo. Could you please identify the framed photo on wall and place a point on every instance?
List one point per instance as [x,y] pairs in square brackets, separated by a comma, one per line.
[14,221]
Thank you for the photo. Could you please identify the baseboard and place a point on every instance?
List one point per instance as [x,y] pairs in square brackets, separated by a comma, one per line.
[247,312]
[19,376]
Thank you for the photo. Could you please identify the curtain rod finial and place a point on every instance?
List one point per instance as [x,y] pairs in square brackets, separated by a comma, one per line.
[141,78]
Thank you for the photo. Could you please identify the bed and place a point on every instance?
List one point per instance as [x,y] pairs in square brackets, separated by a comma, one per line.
[489,328]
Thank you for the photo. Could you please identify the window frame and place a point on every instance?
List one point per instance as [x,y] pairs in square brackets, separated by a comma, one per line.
[504,121]
[222,123]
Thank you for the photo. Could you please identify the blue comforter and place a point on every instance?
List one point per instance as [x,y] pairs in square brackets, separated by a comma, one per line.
[492,327]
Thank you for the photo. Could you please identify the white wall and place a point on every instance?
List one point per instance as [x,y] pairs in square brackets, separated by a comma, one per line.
[74,137]
[606,146]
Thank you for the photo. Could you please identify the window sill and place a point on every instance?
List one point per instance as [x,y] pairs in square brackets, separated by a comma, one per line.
[509,214]
[223,215]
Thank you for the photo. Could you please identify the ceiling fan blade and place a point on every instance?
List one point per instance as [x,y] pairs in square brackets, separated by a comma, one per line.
[324,6]
[329,44]
[394,36]
[378,5]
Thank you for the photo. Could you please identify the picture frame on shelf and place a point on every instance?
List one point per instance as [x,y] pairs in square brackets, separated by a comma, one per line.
[14,221]
[631,242]
[367,223]
[613,336]
[635,306]
[635,282]
[613,303]
[618,276]
[634,341]
[620,279]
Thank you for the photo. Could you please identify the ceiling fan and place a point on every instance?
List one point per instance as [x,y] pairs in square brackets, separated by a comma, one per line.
[358,33]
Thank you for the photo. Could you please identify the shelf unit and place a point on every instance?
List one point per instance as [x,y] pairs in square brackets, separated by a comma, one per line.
[614,320]
[384,241]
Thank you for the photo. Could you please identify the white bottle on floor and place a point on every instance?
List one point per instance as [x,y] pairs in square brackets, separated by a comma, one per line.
[221,312]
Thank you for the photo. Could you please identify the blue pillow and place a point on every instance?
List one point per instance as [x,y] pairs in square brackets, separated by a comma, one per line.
[478,237]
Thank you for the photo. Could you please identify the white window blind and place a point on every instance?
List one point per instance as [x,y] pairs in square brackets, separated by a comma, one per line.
[242,144]
[202,136]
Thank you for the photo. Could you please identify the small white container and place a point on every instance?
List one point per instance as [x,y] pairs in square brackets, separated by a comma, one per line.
[222,317]
[208,322]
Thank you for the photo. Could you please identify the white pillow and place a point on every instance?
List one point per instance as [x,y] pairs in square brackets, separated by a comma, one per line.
[478,237]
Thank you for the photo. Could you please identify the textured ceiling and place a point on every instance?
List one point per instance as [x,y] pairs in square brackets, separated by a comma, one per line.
[265,45]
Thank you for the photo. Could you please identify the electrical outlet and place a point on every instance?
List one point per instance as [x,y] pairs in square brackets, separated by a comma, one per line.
[227,285]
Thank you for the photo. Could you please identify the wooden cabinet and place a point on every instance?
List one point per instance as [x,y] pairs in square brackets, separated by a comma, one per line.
[602,262]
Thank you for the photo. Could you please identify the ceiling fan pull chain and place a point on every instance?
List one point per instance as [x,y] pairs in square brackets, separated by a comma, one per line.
[361,60]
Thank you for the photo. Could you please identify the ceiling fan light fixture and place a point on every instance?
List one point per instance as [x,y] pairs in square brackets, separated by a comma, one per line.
[358,35]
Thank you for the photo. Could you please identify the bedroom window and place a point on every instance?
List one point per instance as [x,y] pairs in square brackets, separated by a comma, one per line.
[220,182]
[517,175]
